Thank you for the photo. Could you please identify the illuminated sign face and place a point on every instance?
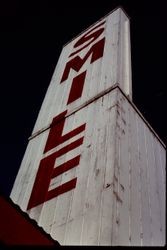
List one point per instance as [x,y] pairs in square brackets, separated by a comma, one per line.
[48,168]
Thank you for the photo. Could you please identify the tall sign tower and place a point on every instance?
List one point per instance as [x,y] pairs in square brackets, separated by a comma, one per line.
[93,170]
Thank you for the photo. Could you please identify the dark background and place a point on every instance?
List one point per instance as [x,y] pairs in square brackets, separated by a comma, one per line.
[31,39]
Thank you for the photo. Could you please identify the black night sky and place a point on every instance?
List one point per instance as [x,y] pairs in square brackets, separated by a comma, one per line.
[31,40]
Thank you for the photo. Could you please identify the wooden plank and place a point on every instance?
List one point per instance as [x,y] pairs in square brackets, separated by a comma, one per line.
[121,177]
[162,156]
[58,233]
[115,212]
[94,184]
[135,208]
[160,191]
[93,81]
[73,231]
[154,206]
[60,216]
[107,198]
[109,70]
[144,179]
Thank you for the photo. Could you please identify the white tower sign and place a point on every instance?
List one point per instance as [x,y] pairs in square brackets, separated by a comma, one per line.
[93,171]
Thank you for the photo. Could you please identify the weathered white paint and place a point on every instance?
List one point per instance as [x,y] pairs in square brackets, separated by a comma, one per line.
[119,198]
[120,194]
[113,68]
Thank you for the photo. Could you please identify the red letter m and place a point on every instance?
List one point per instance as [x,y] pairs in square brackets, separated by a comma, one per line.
[76,63]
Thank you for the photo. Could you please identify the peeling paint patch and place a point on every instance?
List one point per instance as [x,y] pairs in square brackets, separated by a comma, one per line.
[118,221]
[117,197]
[122,187]
[97,172]
[108,185]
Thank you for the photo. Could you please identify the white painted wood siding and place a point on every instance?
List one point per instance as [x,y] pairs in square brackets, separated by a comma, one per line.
[119,198]
[113,68]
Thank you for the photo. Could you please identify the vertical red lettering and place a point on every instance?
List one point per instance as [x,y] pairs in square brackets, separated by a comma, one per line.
[47,168]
